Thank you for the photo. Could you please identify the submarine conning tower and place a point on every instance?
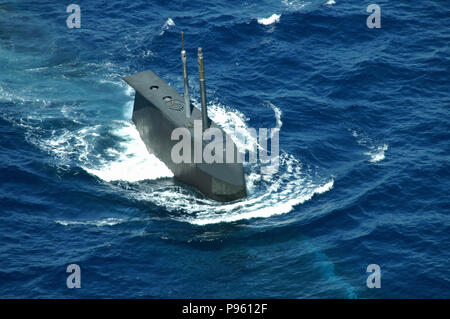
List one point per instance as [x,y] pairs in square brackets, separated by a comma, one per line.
[158,110]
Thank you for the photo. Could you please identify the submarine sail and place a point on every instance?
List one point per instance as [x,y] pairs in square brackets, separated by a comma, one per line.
[158,110]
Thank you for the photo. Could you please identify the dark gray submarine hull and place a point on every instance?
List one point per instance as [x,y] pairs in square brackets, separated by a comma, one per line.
[158,110]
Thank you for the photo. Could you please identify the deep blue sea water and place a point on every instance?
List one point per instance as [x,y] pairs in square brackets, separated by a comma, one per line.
[364,118]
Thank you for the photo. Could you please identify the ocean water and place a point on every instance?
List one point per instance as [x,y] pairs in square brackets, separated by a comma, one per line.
[364,118]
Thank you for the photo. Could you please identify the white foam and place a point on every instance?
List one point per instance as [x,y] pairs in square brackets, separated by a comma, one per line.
[233,123]
[278,114]
[283,206]
[127,160]
[169,22]
[295,5]
[67,145]
[377,154]
[330,2]
[274,18]
[279,197]
[111,221]
[326,187]
[133,162]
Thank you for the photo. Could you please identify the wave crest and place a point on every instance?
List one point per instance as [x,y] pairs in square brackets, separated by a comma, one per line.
[274,18]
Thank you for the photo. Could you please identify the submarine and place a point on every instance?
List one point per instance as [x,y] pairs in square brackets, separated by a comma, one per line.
[159,109]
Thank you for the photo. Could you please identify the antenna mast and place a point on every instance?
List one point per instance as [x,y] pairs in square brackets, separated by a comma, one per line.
[201,71]
[187,101]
